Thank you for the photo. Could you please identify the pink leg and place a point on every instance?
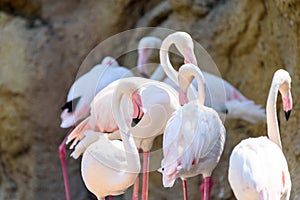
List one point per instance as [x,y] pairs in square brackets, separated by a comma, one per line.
[205,188]
[62,155]
[62,149]
[185,195]
[135,195]
[145,175]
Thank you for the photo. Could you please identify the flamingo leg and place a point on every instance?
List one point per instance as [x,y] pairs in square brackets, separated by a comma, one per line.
[62,149]
[205,187]
[135,195]
[110,197]
[145,175]
[185,194]
[62,155]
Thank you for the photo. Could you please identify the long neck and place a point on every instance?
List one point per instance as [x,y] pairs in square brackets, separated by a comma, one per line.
[272,123]
[188,72]
[165,60]
[128,142]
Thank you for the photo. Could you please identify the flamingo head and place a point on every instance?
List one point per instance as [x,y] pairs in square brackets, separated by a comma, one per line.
[138,112]
[145,49]
[185,45]
[284,81]
[287,102]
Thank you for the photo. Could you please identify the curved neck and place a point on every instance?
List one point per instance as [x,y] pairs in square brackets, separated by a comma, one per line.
[272,123]
[165,60]
[125,88]
[186,74]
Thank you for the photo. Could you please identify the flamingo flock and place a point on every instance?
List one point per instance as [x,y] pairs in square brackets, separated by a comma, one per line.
[114,115]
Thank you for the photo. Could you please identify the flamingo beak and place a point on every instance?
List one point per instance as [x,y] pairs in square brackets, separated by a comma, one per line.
[138,112]
[287,114]
[190,57]
[287,105]
[142,63]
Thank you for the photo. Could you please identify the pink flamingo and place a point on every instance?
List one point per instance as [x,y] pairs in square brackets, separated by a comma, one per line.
[221,95]
[258,168]
[194,136]
[159,100]
[80,96]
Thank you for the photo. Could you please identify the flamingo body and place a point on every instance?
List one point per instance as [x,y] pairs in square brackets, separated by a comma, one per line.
[104,166]
[259,170]
[193,143]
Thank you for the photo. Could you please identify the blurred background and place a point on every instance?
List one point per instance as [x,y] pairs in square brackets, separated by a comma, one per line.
[43,43]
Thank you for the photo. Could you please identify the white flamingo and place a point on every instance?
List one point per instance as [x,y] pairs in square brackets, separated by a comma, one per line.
[221,95]
[194,136]
[80,96]
[258,168]
[159,100]
[110,167]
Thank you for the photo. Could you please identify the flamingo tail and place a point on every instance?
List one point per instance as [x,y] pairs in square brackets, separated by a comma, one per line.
[246,110]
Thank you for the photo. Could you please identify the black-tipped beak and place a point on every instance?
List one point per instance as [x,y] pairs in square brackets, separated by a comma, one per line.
[287,114]
[135,121]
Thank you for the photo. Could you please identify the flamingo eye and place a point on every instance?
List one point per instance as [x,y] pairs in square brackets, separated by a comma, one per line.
[71,105]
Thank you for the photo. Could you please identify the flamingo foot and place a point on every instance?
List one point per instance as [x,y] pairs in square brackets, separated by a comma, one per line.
[205,187]
[185,194]
[62,155]
[145,175]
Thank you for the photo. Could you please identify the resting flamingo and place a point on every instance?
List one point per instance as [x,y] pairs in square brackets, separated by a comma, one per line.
[194,136]
[258,168]
[221,95]
[80,96]
[159,100]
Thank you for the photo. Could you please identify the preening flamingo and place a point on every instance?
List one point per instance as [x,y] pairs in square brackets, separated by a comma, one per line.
[159,100]
[230,100]
[80,96]
[110,167]
[194,136]
[258,168]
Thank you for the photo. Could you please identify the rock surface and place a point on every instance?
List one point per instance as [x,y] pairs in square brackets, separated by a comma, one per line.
[43,43]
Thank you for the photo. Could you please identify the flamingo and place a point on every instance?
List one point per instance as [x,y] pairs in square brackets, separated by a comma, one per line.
[110,167]
[194,136]
[235,104]
[159,100]
[80,96]
[258,168]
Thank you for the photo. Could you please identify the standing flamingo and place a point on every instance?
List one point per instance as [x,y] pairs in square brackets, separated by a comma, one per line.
[80,96]
[258,168]
[159,100]
[194,136]
[221,95]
